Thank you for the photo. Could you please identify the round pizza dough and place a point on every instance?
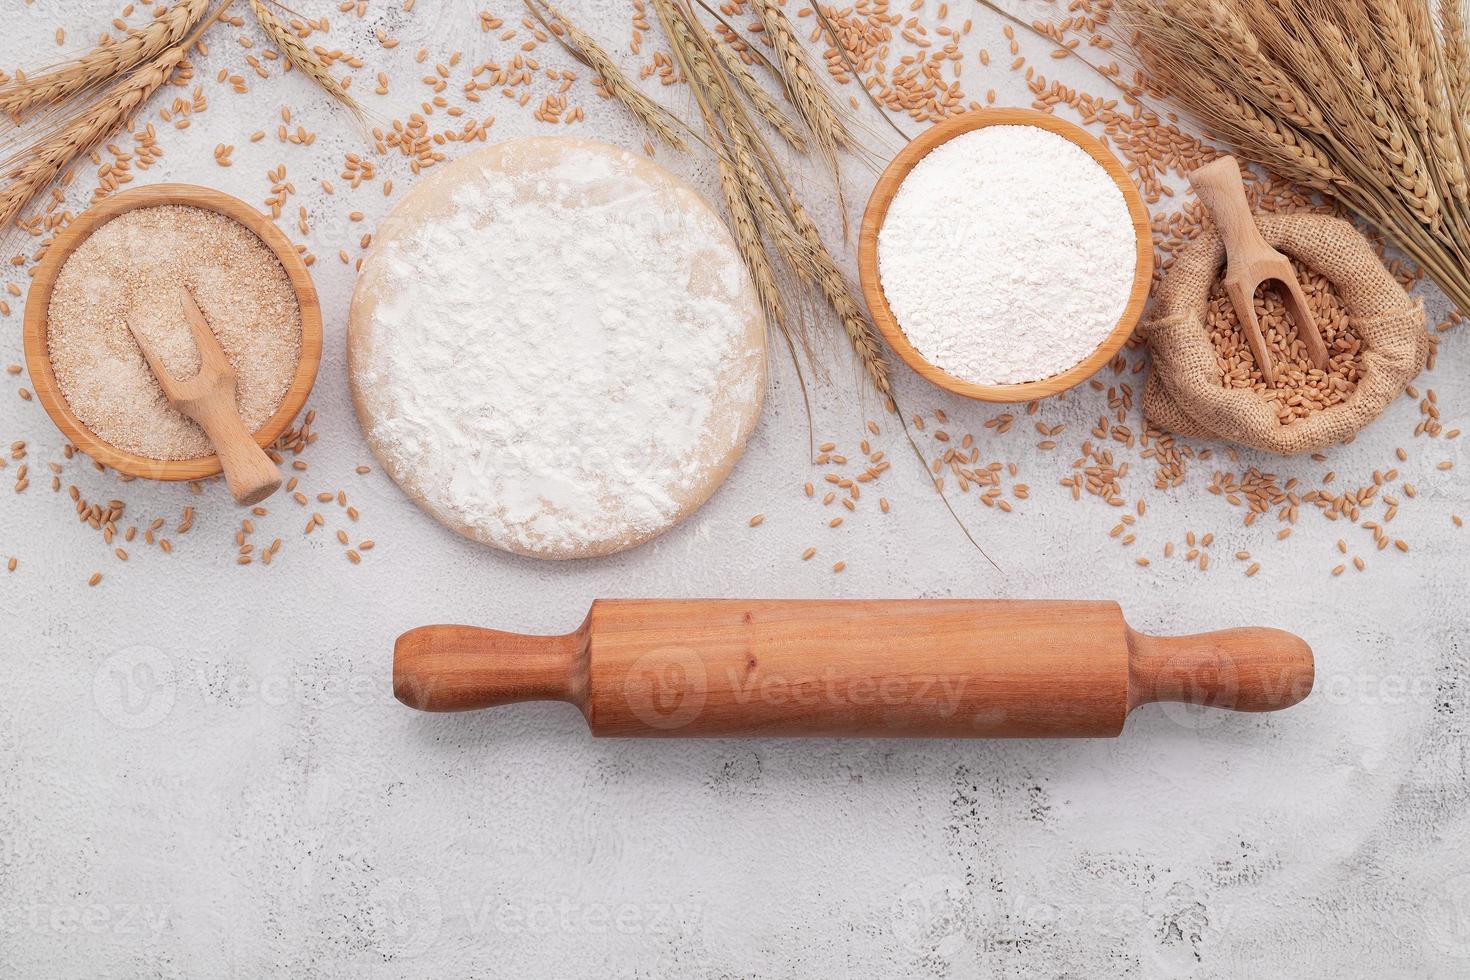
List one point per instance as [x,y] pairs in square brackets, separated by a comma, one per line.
[555,349]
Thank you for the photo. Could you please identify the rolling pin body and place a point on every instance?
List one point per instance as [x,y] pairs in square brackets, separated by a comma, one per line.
[887,668]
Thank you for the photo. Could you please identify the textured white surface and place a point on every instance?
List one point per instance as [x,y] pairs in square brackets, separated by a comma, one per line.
[202,772]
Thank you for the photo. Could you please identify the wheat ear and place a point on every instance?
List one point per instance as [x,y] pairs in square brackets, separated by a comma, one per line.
[1456,70]
[40,164]
[1392,141]
[747,160]
[102,64]
[1442,149]
[714,103]
[298,54]
[748,239]
[748,176]
[855,324]
[650,113]
[1360,67]
[759,98]
[813,103]
[1456,51]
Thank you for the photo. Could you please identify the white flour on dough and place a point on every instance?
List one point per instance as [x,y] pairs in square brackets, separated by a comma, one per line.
[555,348]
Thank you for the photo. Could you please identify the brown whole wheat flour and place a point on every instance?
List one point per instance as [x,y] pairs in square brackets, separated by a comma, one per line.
[133,266]
[1204,383]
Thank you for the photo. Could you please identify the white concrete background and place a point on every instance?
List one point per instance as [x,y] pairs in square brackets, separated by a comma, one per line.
[203,773]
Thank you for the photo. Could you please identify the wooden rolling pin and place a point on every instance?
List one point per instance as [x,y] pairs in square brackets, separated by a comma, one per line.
[905,668]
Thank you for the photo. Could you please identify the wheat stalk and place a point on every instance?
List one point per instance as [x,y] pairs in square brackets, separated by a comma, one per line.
[735,169]
[790,226]
[1396,37]
[731,129]
[731,138]
[38,165]
[697,63]
[1219,20]
[810,97]
[298,54]
[1449,166]
[748,239]
[762,204]
[1363,103]
[102,64]
[663,123]
[758,97]
[812,100]
[860,332]
[1456,53]
[1391,141]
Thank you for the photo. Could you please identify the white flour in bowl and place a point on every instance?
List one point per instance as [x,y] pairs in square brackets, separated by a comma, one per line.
[1007,255]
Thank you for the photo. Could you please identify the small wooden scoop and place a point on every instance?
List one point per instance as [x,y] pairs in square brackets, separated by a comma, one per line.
[917,668]
[1250,261]
[209,399]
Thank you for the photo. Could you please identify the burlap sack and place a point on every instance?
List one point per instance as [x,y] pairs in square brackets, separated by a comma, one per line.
[1184,394]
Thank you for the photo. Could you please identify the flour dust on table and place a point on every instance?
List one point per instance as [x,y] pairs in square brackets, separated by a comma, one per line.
[555,348]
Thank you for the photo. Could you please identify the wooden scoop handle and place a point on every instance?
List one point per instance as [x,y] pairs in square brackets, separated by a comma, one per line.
[209,399]
[1250,261]
[1219,186]
[250,473]
[913,668]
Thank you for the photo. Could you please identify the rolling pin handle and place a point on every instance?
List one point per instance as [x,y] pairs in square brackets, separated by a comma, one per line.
[461,668]
[1247,669]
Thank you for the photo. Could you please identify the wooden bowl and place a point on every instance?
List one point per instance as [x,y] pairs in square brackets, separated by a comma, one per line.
[877,210]
[38,303]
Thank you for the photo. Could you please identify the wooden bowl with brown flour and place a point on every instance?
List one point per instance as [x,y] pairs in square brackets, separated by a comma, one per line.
[247,276]
[1005,255]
